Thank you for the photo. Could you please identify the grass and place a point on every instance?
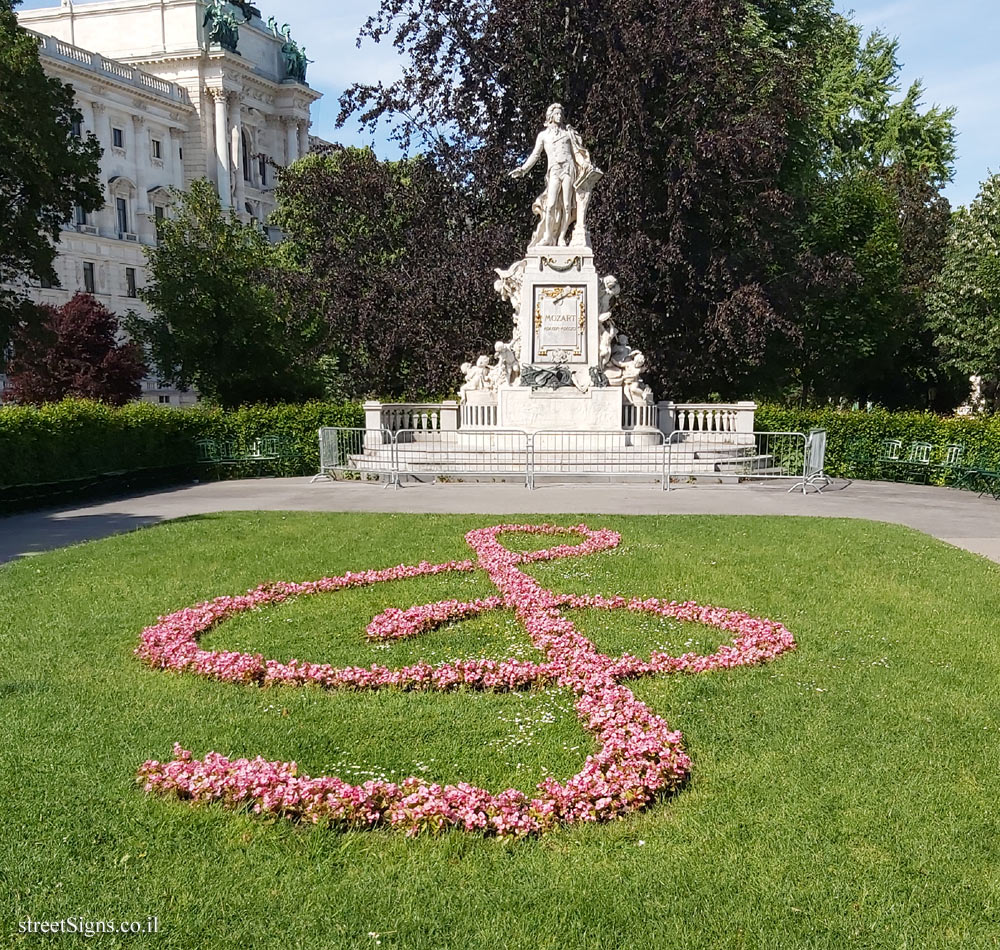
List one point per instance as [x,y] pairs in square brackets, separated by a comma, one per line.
[844,795]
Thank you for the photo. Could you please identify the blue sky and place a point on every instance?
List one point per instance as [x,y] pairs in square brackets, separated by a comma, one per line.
[954,47]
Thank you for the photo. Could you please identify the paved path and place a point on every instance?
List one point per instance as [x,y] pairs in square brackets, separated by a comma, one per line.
[960,518]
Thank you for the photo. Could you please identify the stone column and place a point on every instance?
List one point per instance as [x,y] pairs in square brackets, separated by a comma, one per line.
[744,416]
[291,140]
[303,138]
[176,141]
[237,139]
[373,423]
[97,125]
[222,146]
[141,167]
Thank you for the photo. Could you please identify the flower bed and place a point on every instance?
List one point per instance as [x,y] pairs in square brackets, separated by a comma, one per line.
[638,756]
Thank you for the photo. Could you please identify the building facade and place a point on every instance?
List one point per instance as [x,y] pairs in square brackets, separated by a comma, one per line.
[171,97]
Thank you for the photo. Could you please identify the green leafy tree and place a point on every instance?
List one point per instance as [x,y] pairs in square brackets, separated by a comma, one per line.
[221,322]
[862,124]
[875,230]
[965,301]
[46,168]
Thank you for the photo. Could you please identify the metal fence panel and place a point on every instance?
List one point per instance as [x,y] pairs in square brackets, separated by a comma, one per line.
[815,459]
[746,455]
[570,453]
[356,453]
[496,453]
[622,455]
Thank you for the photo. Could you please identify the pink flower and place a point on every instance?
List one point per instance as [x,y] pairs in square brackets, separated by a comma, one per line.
[638,757]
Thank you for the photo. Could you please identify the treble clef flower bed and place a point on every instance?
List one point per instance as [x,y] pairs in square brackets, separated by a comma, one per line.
[638,758]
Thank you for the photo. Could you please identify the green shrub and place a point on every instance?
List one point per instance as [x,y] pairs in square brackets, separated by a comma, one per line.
[855,439]
[67,447]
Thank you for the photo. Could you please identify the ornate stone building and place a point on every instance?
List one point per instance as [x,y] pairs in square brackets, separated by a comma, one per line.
[174,90]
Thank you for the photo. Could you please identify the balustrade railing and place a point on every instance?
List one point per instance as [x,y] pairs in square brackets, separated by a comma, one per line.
[639,417]
[60,49]
[722,421]
[479,416]
[413,416]
[705,418]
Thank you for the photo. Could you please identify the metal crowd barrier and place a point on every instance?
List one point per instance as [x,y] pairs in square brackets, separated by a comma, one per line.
[356,453]
[588,454]
[813,475]
[490,453]
[551,453]
[744,455]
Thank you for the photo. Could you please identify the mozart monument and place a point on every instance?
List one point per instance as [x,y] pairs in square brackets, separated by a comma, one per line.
[565,366]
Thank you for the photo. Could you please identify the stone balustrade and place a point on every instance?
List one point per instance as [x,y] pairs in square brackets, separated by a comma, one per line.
[639,417]
[479,411]
[705,418]
[55,48]
[419,416]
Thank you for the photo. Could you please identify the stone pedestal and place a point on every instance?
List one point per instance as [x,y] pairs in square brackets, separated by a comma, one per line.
[519,407]
[559,305]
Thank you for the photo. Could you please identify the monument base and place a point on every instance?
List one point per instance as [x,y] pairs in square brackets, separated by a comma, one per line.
[529,410]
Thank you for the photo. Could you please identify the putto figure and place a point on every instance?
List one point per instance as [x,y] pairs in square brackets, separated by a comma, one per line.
[568,182]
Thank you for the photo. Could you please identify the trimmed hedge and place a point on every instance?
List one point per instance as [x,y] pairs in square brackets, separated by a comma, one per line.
[854,439]
[73,446]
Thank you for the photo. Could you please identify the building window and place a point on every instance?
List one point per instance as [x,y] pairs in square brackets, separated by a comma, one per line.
[159,212]
[45,283]
[246,156]
[130,282]
[157,149]
[88,277]
[118,138]
[164,400]
[262,168]
[121,208]
[76,128]
[80,216]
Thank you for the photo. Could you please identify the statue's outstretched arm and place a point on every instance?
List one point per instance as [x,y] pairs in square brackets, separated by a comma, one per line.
[531,159]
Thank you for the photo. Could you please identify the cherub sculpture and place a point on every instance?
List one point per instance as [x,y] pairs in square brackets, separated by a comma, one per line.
[476,376]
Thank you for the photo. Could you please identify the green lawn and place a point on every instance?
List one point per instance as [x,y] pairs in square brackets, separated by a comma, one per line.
[843,795]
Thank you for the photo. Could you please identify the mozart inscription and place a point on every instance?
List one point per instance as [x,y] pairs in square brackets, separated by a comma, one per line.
[560,323]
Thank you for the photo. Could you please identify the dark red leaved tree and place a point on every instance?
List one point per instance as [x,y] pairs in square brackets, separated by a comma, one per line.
[72,350]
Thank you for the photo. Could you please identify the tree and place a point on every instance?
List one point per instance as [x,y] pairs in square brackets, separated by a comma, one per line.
[390,255]
[220,323]
[47,167]
[694,120]
[72,351]
[726,127]
[965,301]
[877,221]
[861,127]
